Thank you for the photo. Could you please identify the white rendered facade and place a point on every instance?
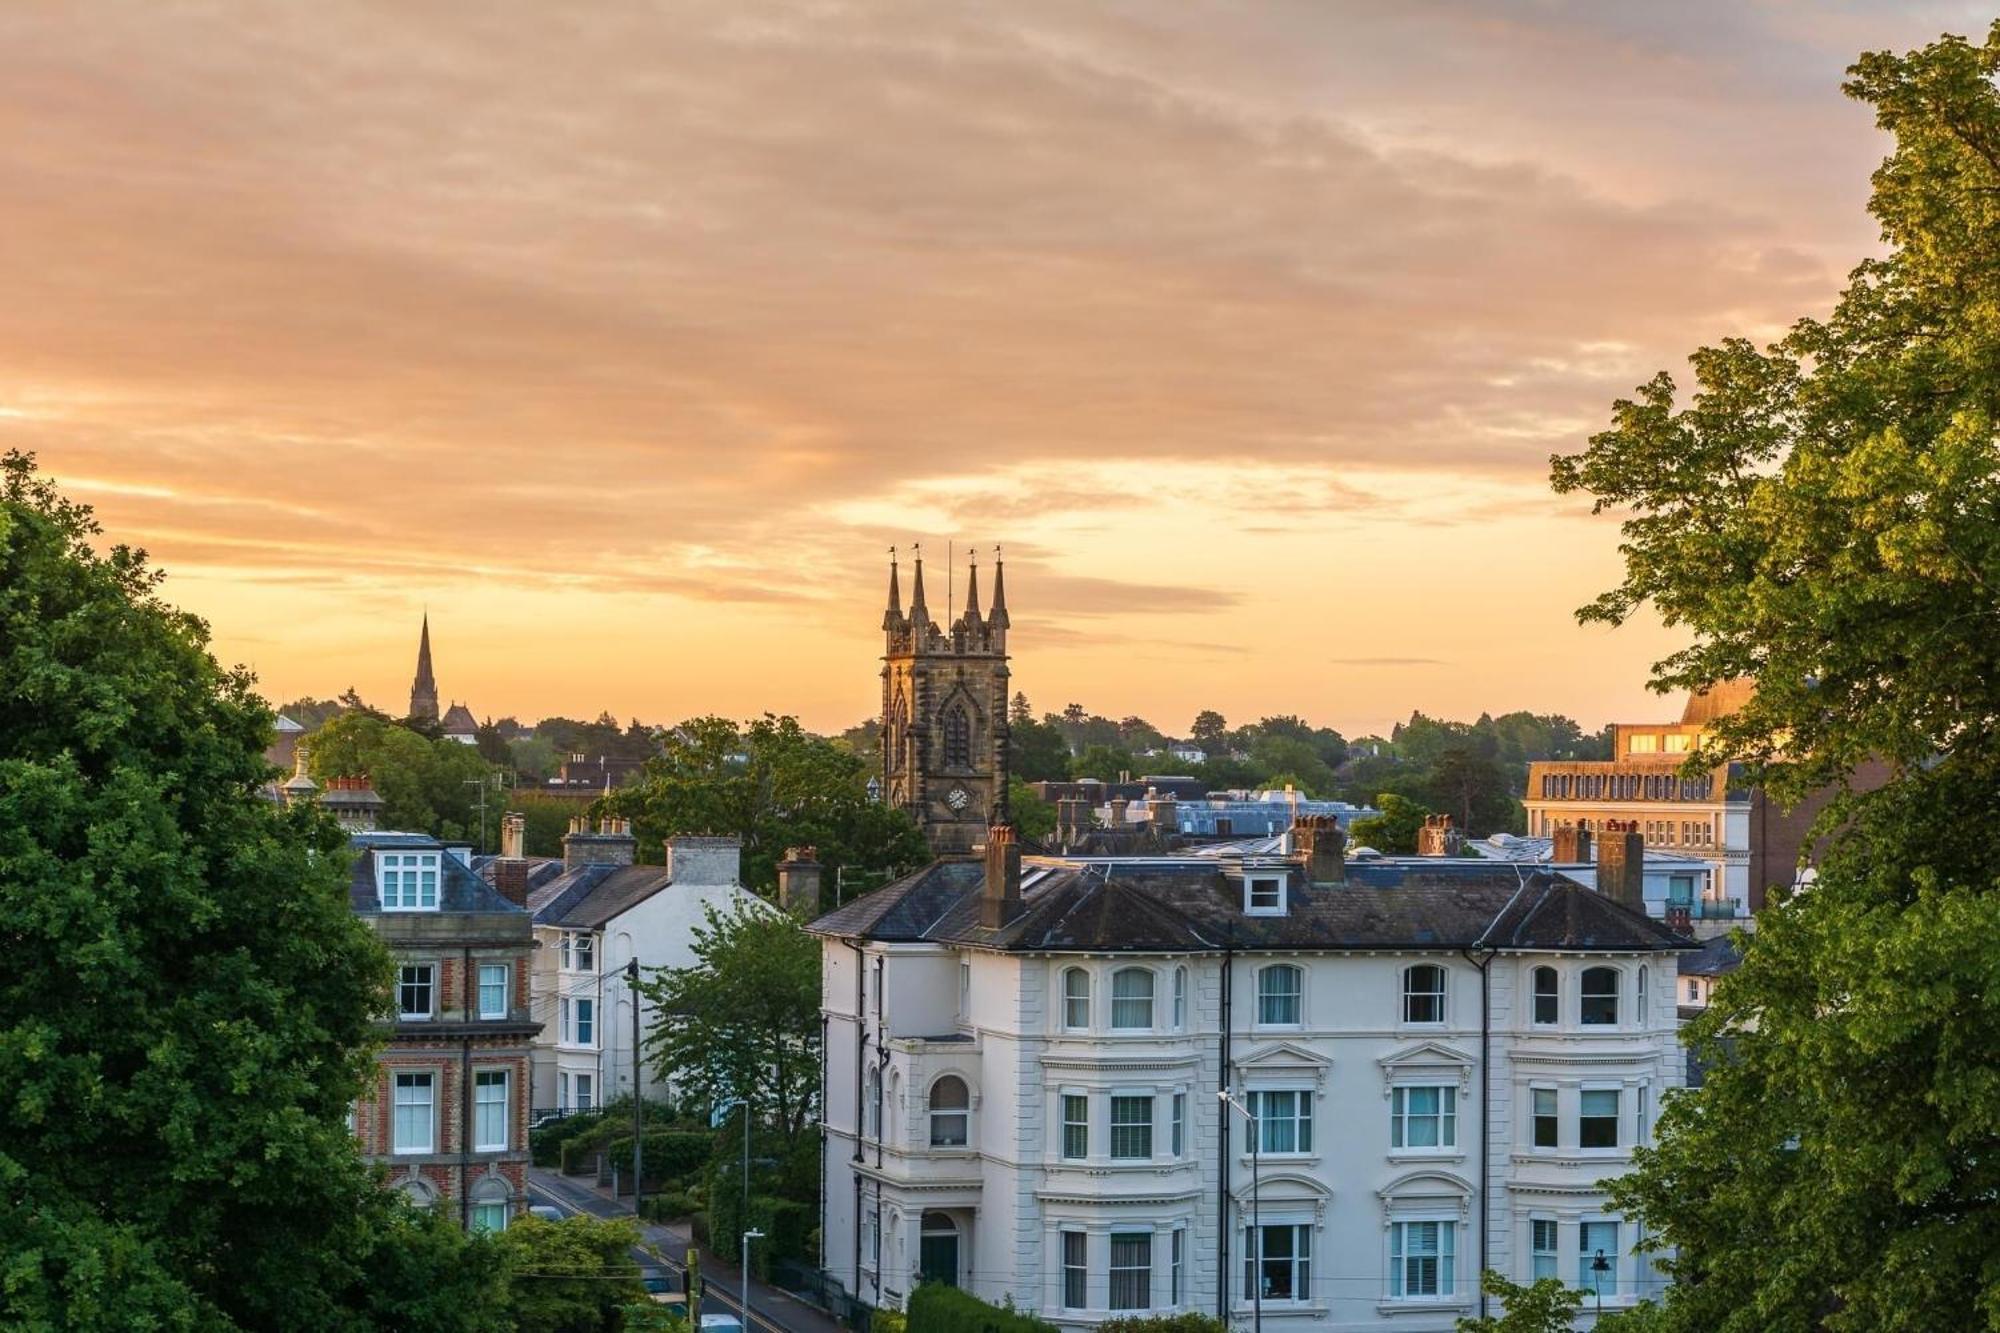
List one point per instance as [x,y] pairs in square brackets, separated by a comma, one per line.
[1391,1236]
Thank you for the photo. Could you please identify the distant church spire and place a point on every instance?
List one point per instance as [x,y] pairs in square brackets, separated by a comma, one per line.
[998,616]
[918,611]
[972,591]
[423,690]
[894,615]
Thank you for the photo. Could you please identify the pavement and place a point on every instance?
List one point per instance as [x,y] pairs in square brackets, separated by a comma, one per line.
[771,1310]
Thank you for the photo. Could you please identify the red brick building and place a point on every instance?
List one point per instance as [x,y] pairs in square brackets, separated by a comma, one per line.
[448,1113]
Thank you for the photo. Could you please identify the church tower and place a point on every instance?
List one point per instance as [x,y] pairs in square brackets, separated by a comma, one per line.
[944,712]
[424,690]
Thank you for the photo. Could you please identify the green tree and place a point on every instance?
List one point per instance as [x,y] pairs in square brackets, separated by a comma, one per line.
[309,712]
[188,1000]
[1037,751]
[1032,815]
[1546,1307]
[1210,730]
[571,1276]
[1823,516]
[546,818]
[1475,790]
[426,786]
[743,1020]
[1106,763]
[533,759]
[1393,832]
[1279,758]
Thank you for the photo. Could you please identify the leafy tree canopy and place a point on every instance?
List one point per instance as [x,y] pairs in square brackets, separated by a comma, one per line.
[1548,1306]
[426,786]
[571,1276]
[1393,832]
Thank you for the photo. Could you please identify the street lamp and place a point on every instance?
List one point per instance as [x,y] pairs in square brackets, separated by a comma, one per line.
[1598,1268]
[748,1236]
[1256,1229]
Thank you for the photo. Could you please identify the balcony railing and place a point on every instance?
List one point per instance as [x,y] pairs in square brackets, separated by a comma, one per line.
[1718,909]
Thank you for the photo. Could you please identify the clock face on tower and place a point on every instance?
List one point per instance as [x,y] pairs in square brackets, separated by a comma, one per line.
[958,798]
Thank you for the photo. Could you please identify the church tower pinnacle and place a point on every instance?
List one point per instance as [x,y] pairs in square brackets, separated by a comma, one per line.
[424,690]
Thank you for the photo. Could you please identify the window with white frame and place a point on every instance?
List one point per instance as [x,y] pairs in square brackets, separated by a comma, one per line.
[871,1108]
[1541,1248]
[1694,990]
[1075,1269]
[1131,999]
[1640,997]
[489,1110]
[965,990]
[564,945]
[1284,1119]
[1176,1282]
[1279,1260]
[414,1120]
[416,990]
[1180,998]
[1641,1121]
[1597,1118]
[1076,1000]
[1264,895]
[585,1087]
[1423,993]
[1542,1112]
[1132,1127]
[492,990]
[1131,1270]
[582,1019]
[582,951]
[489,1216]
[1597,1258]
[1547,997]
[1278,991]
[1423,1257]
[1075,1127]
[407,881]
[951,1112]
[1598,996]
[1423,1117]
[1180,1124]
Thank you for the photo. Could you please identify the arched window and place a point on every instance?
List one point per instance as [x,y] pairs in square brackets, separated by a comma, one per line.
[1599,996]
[1640,1016]
[937,1255]
[1076,1000]
[957,737]
[1423,993]
[1548,1002]
[1180,999]
[490,1199]
[1131,999]
[899,726]
[951,1112]
[1278,989]
[871,1103]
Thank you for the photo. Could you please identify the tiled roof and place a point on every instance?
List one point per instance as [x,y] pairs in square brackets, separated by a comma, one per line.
[1193,905]
[590,895]
[459,721]
[459,889]
[1715,958]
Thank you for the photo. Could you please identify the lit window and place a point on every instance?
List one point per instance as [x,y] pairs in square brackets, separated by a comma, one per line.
[1075,1127]
[1283,1262]
[1131,1128]
[1278,996]
[1645,742]
[950,1107]
[1547,996]
[413,1114]
[1542,1247]
[1264,895]
[1599,996]
[1422,1256]
[1597,1119]
[489,1110]
[1679,743]
[492,990]
[1423,1118]
[1132,1270]
[1597,1244]
[1131,999]
[1423,994]
[1076,1269]
[414,990]
[407,881]
[1284,1120]
[1076,999]
[1544,1113]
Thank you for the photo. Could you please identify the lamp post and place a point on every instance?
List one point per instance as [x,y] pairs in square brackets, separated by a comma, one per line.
[1256,1247]
[748,1236]
[1598,1268]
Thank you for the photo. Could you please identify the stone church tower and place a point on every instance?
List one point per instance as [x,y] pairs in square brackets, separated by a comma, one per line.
[424,689]
[944,713]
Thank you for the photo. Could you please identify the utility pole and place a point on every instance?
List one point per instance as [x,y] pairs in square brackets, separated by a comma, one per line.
[748,1236]
[638,1096]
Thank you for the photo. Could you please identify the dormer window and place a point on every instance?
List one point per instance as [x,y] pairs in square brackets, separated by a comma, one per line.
[1264,895]
[408,881]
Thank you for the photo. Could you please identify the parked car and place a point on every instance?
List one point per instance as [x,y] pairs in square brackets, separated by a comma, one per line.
[548,1212]
[721,1323]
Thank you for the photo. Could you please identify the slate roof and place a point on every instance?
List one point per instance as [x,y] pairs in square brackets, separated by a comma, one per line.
[459,890]
[541,869]
[1192,905]
[1715,958]
[590,895]
[459,721]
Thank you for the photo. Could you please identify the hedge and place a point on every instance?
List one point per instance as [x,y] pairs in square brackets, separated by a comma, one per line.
[1164,1323]
[671,1154]
[936,1308]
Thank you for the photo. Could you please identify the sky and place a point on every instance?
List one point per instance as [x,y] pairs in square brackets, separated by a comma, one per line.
[626,339]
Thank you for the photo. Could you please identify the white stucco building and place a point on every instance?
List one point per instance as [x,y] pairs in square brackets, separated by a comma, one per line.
[1443,1057]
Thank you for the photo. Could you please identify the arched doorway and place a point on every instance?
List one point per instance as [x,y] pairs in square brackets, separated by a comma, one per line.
[938,1256]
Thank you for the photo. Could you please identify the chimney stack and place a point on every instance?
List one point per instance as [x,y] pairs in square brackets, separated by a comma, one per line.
[694,858]
[1621,863]
[513,835]
[1000,899]
[1119,805]
[611,844]
[1571,845]
[1166,812]
[1320,847]
[1437,837]
[798,881]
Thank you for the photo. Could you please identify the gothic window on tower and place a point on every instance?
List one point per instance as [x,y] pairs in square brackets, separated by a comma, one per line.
[957,738]
[899,718]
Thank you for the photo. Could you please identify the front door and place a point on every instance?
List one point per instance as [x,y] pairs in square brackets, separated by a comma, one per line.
[938,1258]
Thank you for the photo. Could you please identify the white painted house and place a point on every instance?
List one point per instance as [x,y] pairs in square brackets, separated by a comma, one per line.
[593,917]
[1443,1057]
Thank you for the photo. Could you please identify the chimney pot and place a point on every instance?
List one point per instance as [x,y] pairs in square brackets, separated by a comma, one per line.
[1000,899]
[1319,845]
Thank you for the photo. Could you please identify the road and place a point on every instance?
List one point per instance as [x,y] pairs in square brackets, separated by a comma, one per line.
[772,1311]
